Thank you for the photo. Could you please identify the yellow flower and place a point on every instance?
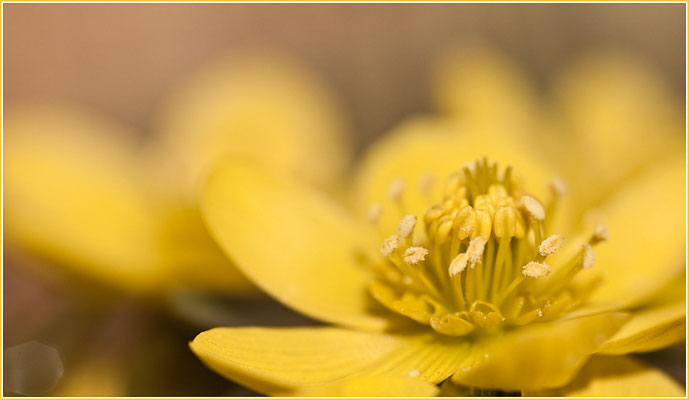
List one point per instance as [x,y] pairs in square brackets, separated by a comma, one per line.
[83,192]
[467,271]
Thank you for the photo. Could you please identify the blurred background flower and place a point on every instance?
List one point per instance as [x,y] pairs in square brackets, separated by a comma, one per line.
[130,63]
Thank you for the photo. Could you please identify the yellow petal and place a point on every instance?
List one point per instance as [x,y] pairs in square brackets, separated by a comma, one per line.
[196,261]
[256,106]
[617,376]
[647,236]
[372,386]
[437,147]
[74,193]
[650,329]
[476,82]
[621,117]
[280,361]
[537,356]
[292,242]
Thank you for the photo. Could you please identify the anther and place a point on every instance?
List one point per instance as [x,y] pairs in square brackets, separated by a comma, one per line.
[374,213]
[533,207]
[465,222]
[444,228]
[557,187]
[496,192]
[600,234]
[396,190]
[390,244]
[550,245]
[459,264]
[406,226]
[505,222]
[484,224]
[536,269]
[589,257]
[475,250]
[432,214]
[415,255]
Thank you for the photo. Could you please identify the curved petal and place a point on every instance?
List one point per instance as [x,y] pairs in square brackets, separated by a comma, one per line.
[650,329]
[257,106]
[621,118]
[74,193]
[372,386]
[196,261]
[438,147]
[285,361]
[647,236]
[609,376]
[293,243]
[538,356]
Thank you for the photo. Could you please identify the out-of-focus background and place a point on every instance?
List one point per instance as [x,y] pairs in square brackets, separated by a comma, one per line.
[124,59]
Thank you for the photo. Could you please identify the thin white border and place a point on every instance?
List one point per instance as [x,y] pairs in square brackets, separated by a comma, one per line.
[2,155]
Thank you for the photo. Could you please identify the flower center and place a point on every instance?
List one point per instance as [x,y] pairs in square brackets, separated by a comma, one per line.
[479,259]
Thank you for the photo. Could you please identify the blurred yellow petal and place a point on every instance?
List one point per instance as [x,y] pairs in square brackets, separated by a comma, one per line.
[292,242]
[437,148]
[617,376]
[650,329]
[372,386]
[74,193]
[196,261]
[537,356]
[647,236]
[280,360]
[256,106]
[622,118]
[478,82]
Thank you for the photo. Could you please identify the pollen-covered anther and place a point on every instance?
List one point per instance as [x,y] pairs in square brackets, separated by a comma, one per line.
[406,226]
[415,255]
[390,244]
[600,234]
[396,189]
[589,257]
[550,245]
[465,221]
[533,207]
[557,187]
[459,264]
[536,269]
[374,213]
[475,250]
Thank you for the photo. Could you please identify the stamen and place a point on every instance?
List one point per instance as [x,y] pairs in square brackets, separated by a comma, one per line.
[396,190]
[374,213]
[505,223]
[475,250]
[484,224]
[589,257]
[536,270]
[533,207]
[415,255]
[557,187]
[390,244]
[600,234]
[459,264]
[550,245]
[406,226]
[465,222]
